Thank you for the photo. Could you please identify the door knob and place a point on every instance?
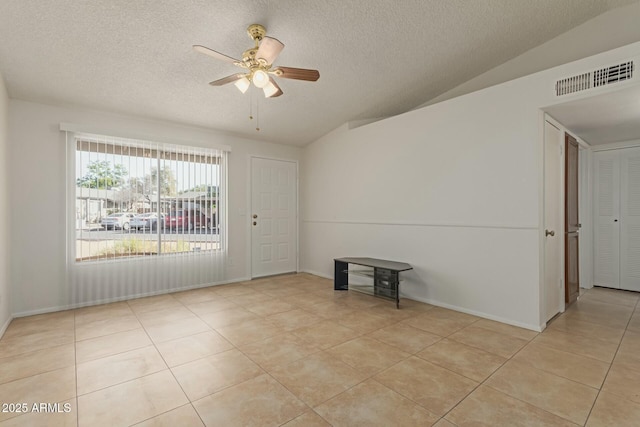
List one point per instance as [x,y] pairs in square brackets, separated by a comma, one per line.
[255,216]
[255,223]
[549,233]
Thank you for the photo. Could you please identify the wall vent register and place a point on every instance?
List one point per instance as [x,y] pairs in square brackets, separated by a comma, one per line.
[597,78]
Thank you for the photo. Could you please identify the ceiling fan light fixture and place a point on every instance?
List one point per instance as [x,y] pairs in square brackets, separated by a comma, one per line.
[269,90]
[260,79]
[257,65]
[243,84]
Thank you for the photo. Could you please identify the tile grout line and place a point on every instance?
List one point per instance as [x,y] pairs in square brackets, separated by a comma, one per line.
[320,350]
[561,376]
[189,402]
[18,356]
[265,371]
[370,377]
[489,376]
[74,397]
[75,342]
[612,360]
[343,391]
[234,347]
[513,397]
[599,389]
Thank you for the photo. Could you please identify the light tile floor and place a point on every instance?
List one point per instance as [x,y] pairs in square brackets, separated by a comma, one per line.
[291,351]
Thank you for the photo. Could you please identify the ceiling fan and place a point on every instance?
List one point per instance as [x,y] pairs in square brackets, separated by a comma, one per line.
[258,63]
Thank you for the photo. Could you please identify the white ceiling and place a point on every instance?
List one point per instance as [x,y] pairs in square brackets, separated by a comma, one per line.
[602,119]
[376,58]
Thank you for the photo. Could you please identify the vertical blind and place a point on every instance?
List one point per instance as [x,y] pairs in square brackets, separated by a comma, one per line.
[145,217]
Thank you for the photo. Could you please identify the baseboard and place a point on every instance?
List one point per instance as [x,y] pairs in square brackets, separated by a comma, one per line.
[536,328]
[123,298]
[4,327]
[315,273]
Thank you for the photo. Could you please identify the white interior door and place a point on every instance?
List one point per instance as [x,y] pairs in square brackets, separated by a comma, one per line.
[606,216]
[274,220]
[553,213]
[630,219]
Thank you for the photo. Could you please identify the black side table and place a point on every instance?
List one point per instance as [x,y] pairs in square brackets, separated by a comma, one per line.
[385,274]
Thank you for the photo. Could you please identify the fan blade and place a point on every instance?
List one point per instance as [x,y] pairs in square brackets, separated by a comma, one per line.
[269,49]
[214,54]
[272,90]
[297,73]
[228,79]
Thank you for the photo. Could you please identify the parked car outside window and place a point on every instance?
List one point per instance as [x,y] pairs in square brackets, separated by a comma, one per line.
[147,221]
[187,219]
[119,220]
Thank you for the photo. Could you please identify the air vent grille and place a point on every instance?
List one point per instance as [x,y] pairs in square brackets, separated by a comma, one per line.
[597,78]
[573,84]
[616,73]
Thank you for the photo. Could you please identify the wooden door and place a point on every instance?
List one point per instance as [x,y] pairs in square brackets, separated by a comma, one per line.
[274,242]
[572,222]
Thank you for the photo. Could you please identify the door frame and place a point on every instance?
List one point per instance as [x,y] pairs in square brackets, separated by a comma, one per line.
[249,201]
[617,149]
[585,177]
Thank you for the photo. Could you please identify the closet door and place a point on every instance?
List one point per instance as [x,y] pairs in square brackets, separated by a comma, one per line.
[606,233]
[630,219]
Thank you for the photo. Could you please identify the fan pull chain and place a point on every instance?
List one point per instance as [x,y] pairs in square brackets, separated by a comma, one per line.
[257,114]
[251,100]
[250,104]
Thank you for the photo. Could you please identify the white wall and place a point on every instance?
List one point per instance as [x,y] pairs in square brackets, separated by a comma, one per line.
[37,178]
[5,308]
[453,189]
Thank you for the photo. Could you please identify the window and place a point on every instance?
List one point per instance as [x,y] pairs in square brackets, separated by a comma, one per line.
[144,199]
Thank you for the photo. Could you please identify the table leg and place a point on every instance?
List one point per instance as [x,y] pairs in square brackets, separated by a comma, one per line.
[340,277]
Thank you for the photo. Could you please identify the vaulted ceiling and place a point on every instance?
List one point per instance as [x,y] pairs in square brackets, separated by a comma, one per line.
[376,58]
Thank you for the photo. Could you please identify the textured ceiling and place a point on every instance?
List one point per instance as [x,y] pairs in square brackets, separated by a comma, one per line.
[376,58]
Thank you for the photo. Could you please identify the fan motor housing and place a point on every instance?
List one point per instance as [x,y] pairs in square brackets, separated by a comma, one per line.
[256,32]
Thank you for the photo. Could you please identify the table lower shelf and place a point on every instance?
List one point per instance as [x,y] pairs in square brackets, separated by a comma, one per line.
[385,275]
[374,291]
